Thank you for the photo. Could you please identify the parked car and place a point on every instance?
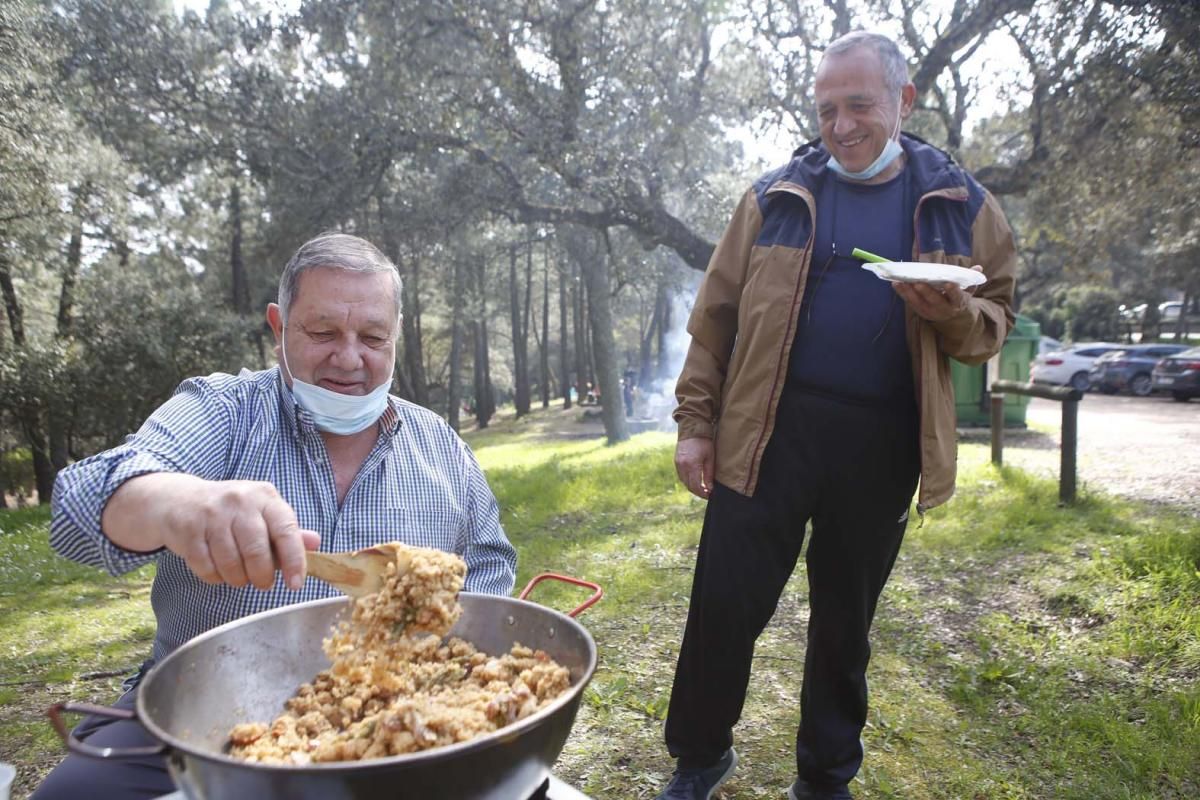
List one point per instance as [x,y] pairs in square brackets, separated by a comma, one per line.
[1047,345]
[1130,368]
[1164,319]
[1168,312]
[1070,365]
[1178,374]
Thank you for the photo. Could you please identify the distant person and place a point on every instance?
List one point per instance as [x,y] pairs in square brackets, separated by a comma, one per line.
[813,391]
[627,393]
[233,479]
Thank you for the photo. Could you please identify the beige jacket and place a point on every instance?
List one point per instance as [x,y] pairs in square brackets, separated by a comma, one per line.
[744,318]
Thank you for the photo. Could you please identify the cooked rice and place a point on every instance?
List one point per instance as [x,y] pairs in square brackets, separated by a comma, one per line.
[394,685]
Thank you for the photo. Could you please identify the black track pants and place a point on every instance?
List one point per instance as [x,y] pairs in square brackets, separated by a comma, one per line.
[852,471]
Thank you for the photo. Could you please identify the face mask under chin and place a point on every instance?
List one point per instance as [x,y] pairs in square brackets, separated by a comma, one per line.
[890,152]
[332,412]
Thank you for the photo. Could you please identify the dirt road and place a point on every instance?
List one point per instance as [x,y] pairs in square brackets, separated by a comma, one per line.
[1146,448]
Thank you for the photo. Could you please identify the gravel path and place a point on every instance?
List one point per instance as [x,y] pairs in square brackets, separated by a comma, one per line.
[1146,448]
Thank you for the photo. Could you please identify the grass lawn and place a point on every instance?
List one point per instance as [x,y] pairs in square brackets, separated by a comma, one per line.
[1021,650]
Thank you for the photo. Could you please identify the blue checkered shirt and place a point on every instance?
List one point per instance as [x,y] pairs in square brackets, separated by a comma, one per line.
[420,484]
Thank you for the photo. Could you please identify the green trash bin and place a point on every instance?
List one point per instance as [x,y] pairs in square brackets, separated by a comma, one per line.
[970,383]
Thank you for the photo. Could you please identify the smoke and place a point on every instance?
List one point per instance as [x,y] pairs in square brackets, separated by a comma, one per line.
[656,401]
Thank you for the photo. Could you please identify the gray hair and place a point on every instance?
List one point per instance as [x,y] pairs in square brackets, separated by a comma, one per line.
[895,68]
[339,251]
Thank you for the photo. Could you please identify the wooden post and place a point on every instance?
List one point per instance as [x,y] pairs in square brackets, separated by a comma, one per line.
[1070,427]
[997,429]
[1070,437]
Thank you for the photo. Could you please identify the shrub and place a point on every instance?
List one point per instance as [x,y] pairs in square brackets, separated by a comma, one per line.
[1079,313]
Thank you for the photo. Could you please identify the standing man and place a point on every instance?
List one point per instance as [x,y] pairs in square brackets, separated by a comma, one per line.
[814,392]
[230,481]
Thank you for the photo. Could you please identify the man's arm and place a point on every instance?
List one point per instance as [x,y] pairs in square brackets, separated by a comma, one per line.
[977,330]
[491,558]
[234,532]
[713,327]
[163,489]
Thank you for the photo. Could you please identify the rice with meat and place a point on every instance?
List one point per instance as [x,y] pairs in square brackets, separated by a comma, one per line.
[395,684]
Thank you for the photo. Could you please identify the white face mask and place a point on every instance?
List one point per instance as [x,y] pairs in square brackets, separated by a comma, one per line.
[890,152]
[333,412]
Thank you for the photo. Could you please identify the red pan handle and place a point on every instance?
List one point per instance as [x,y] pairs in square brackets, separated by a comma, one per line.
[597,592]
[82,748]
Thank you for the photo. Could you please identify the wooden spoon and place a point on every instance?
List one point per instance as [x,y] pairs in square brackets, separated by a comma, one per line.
[359,573]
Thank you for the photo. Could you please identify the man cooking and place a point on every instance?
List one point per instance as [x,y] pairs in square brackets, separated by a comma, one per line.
[230,481]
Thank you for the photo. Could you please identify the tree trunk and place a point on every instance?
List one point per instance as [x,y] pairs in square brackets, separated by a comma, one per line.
[483,415]
[1181,324]
[589,340]
[537,345]
[665,367]
[240,286]
[403,381]
[402,384]
[526,308]
[544,345]
[564,347]
[410,324]
[583,350]
[70,271]
[239,282]
[485,397]
[410,370]
[646,350]
[595,268]
[519,345]
[12,305]
[44,472]
[57,412]
[43,468]
[454,390]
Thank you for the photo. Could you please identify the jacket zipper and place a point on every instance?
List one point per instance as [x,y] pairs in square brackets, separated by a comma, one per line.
[789,332]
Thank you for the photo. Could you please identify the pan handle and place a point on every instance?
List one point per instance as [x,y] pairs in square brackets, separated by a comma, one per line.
[597,592]
[82,748]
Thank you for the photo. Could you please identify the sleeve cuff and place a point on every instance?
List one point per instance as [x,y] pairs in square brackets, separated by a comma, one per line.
[692,428]
[960,324]
[139,464]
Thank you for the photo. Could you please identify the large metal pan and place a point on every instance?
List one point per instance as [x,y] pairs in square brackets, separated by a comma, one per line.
[244,671]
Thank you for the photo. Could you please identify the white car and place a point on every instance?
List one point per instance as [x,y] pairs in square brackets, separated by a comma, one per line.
[1069,366]
[1048,345]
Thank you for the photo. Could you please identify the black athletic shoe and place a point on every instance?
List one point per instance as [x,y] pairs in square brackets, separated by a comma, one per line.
[702,783]
[803,790]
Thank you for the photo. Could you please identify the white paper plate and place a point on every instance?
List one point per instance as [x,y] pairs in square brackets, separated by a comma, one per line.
[919,272]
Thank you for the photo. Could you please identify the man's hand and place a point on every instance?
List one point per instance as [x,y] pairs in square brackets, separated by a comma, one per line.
[233,532]
[935,302]
[694,465]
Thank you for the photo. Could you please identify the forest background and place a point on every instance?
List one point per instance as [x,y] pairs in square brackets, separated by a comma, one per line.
[550,177]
